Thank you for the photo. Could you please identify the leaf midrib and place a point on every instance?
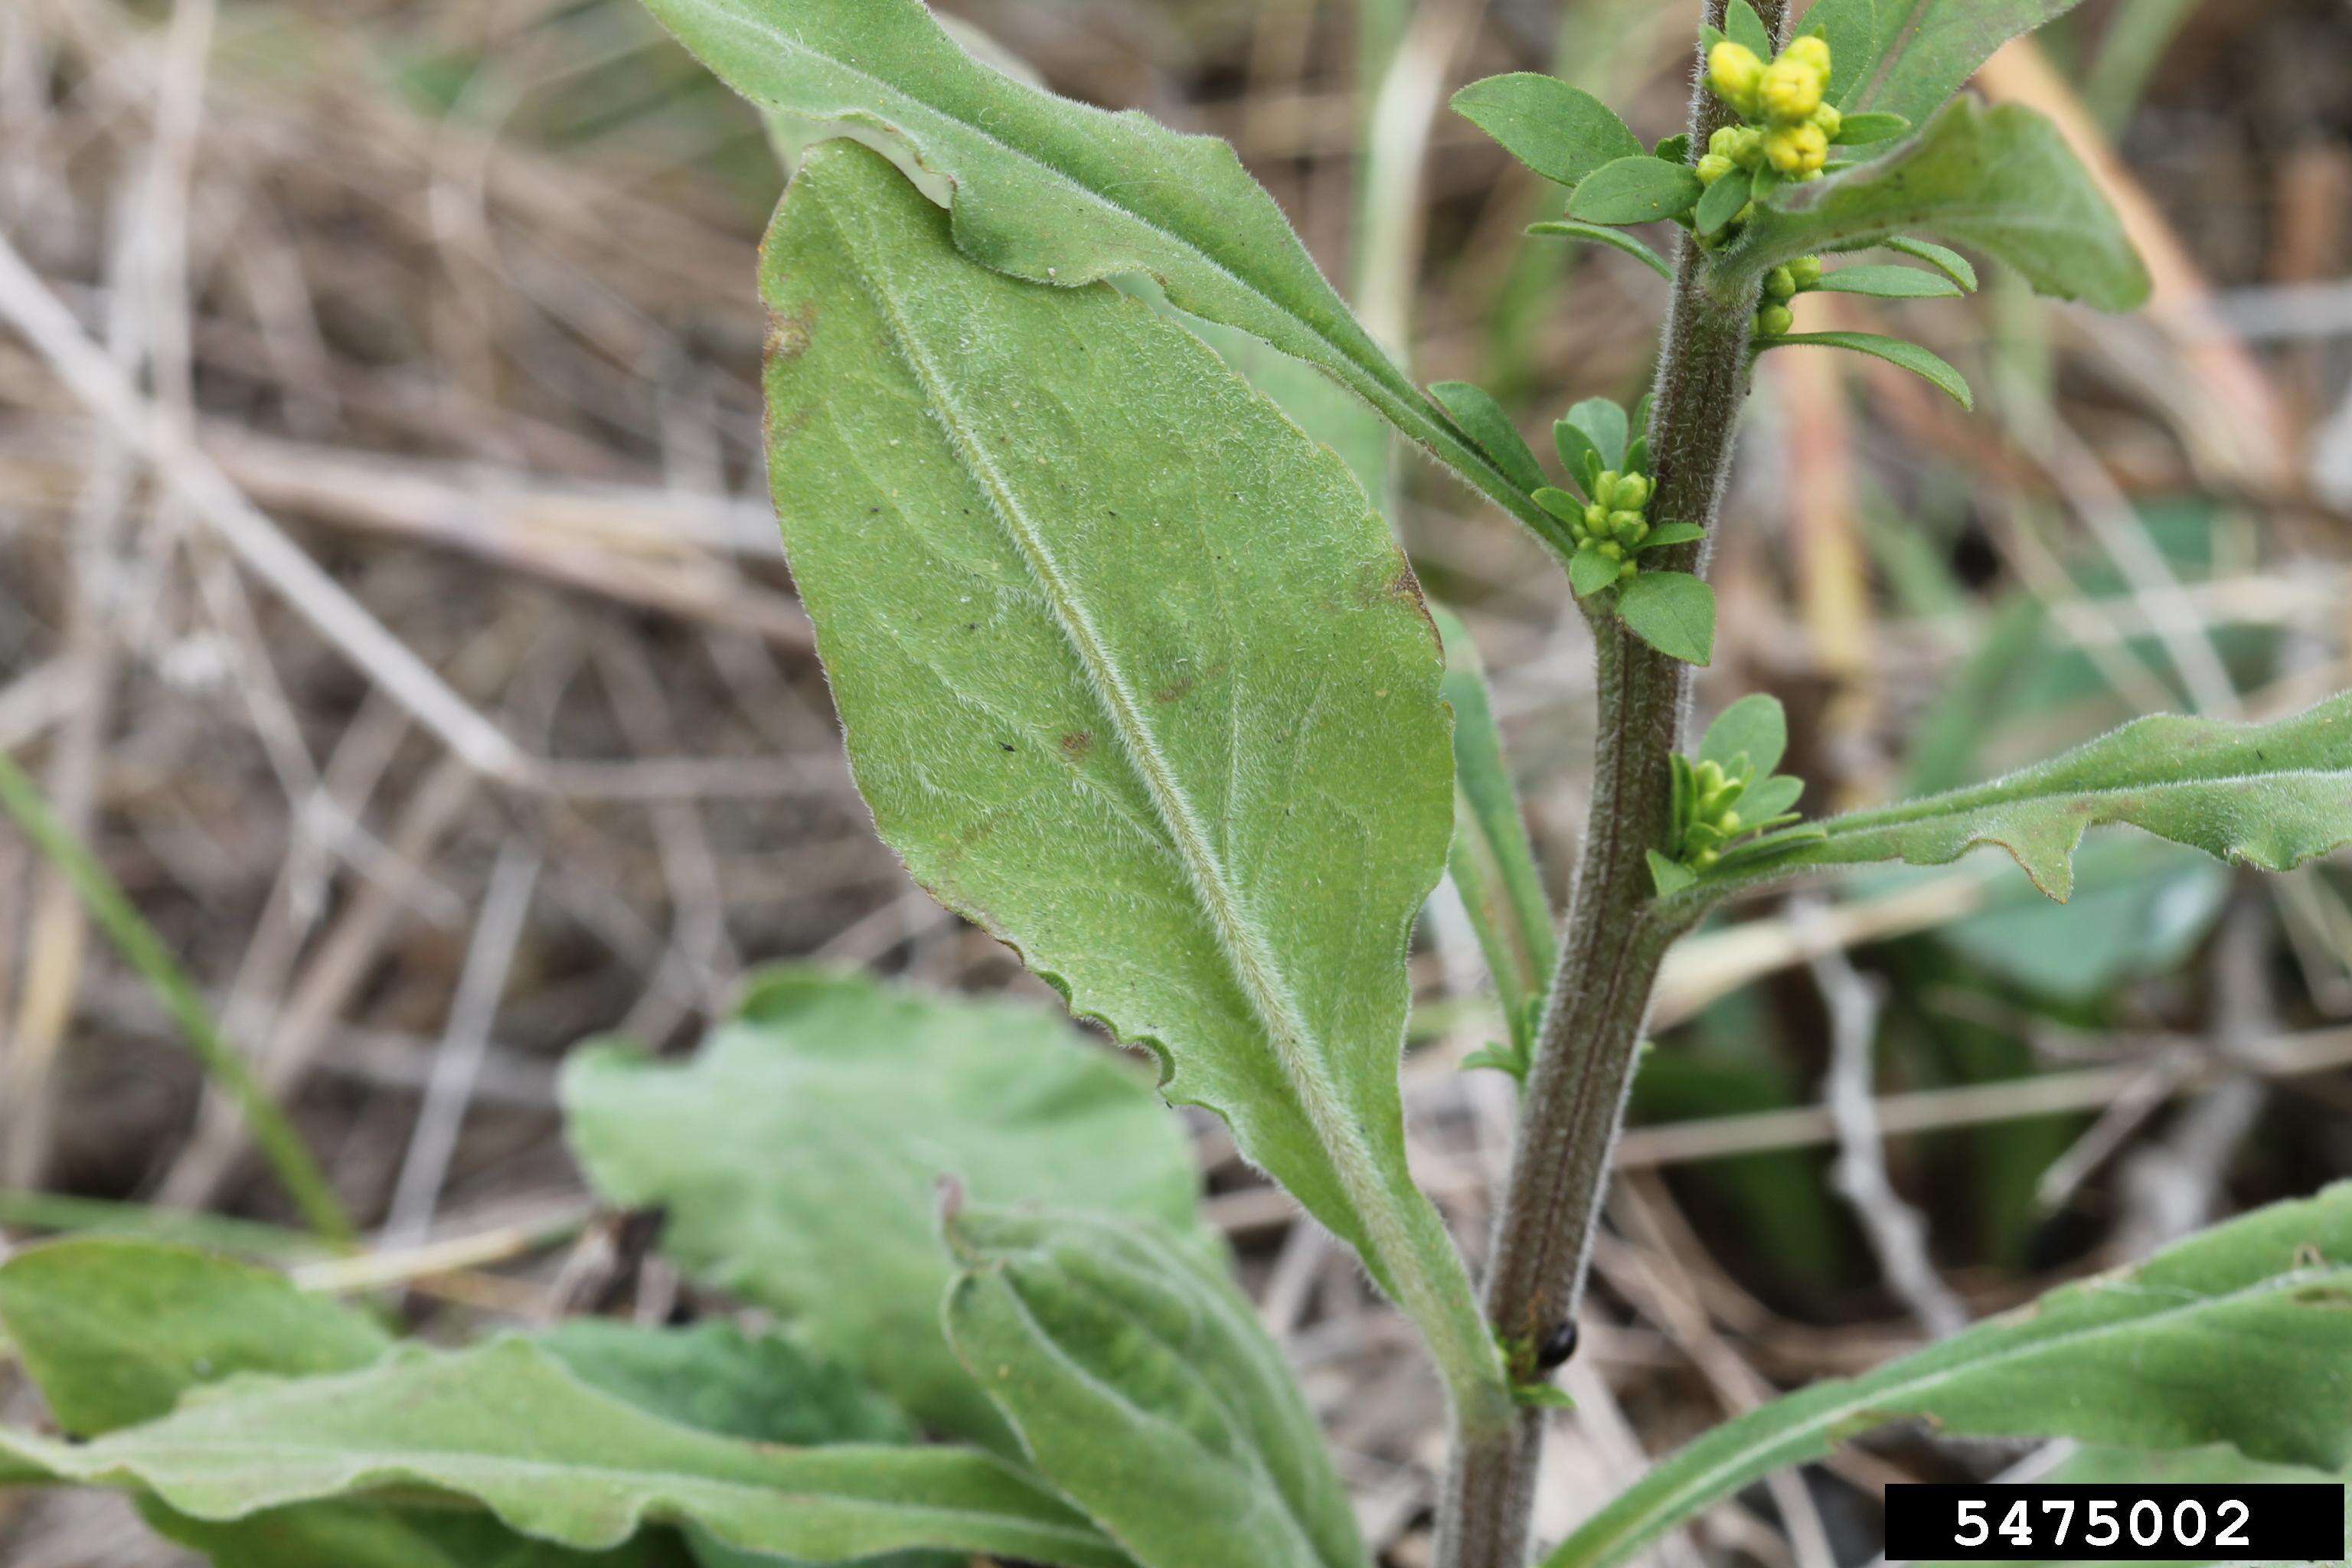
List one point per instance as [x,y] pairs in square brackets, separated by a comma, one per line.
[1251,964]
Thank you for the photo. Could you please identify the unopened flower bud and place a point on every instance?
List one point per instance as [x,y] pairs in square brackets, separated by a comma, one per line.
[1628,526]
[1806,270]
[1633,492]
[1793,90]
[1596,516]
[1611,549]
[1628,571]
[1812,51]
[1779,285]
[1830,121]
[1797,151]
[1775,320]
[1736,75]
[1728,823]
[1714,167]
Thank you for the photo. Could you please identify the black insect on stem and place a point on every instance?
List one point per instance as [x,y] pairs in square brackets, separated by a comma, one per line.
[1557,1346]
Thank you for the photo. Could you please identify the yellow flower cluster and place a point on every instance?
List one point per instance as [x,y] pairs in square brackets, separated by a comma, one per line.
[1789,122]
[1613,526]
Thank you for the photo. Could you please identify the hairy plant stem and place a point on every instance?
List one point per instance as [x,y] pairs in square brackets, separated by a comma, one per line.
[1616,938]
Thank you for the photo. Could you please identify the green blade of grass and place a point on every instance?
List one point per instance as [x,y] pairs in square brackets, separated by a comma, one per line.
[296,1169]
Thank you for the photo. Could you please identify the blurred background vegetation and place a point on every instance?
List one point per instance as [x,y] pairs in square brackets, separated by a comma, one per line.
[389,599]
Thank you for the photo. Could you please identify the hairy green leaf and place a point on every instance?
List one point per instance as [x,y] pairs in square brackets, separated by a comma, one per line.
[1724,201]
[116,1331]
[1929,48]
[1476,412]
[1674,612]
[714,1377]
[1597,234]
[1589,572]
[1670,877]
[2270,795]
[1562,132]
[1889,283]
[1743,26]
[1918,360]
[1089,602]
[1143,1388]
[1756,727]
[1635,190]
[1859,130]
[1602,423]
[508,1428]
[2241,1335]
[1666,534]
[1945,259]
[2000,179]
[1493,862]
[859,1099]
[1058,192]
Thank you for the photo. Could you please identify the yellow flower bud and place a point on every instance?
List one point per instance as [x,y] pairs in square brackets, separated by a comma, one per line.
[1746,146]
[1596,516]
[1713,167]
[1611,549]
[1633,492]
[1797,151]
[1728,823]
[1791,91]
[1726,142]
[1736,75]
[1775,320]
[1628,571]
[1626,525]
[1811,51]
[1831,121]
[1703,859]
[1806,270]
[1779,285]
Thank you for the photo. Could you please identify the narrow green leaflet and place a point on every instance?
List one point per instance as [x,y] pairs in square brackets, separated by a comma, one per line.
[1562,132]
[508,1428]
[1596,234]
[1889,283]
[2241,1335]
[1639,189]
[1929,48]
[117,1332]
[1724,201]
[1860,128]
[1144,1388]
[2000,179]
[1132,677]
[1674,612]
[1918,360]
[1493,862]
[859,1099]
[1943,258]
[1475,410]
[2269,795]
[1058,192]
[1755,728]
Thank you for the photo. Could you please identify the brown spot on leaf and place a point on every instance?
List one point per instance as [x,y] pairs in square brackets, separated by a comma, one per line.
[788,337]
[1077,744]
[1175,691]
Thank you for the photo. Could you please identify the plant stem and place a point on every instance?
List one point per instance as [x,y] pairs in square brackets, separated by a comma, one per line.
[1600,998]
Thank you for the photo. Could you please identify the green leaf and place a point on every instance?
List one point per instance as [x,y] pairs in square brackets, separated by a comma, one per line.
[1478,414]
[1894,351]
[1889,283]
[1850,30]
[1670,877]
[1674,612]
[1669,533]
[1755,727]
[1635,190]
[114,1331]
[1590,571]
[1144,1390]
[1604,427]
[1723,201]
[1562,132]
[1086,599]
[1742,26]
[716,1378]
[1768,799]
[1949,262]
[1860,130]
[1929,48]
[1595,233]
[117,1332]
[1059,192]
[859,1099]
[2269,795]
[1675,149]
[507,1426]
[2000,179]
[1493,862]
[2239,1335]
